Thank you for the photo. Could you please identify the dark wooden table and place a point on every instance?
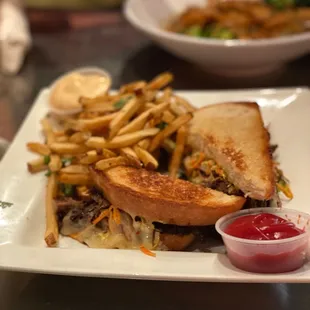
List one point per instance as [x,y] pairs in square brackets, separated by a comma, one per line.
[127,55]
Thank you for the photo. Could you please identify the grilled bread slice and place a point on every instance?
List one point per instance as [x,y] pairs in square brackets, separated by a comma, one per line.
[159,198]
[233,134]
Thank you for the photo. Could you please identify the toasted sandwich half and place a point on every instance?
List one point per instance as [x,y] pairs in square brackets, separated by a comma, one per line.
[163,203]
[231,151]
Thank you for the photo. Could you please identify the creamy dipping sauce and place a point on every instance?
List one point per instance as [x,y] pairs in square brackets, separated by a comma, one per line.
[65,94]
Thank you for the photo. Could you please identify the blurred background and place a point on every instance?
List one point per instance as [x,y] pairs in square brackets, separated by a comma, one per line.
[61,35]
[72,4]
[50,37]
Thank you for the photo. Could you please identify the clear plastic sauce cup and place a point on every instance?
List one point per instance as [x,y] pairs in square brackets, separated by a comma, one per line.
[267,256]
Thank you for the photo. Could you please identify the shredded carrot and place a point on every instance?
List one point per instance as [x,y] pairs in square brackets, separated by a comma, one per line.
[102,215]
[145,251]
[116,216]
[285,190]
[196,162]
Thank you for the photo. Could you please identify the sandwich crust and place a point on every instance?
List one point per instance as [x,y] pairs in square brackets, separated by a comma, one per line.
[159,198]
[233,134]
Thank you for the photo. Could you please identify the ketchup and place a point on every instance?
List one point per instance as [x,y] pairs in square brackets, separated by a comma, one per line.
[265,257]
[263,226]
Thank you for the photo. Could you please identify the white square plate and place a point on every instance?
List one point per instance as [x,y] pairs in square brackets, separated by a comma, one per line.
[22,247]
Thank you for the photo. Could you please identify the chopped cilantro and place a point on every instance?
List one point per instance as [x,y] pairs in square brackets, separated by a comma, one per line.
[162,125]
[67,189]
[48,173]
[47,159]
[5,204]
[66,161]
[120,103]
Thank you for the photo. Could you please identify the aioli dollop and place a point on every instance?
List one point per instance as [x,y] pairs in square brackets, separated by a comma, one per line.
[65,94]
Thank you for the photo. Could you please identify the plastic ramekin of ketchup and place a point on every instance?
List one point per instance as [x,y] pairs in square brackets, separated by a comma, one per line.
[266,240]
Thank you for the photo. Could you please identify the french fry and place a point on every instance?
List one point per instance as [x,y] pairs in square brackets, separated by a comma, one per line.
[178,152]
[145,143]
[92,156]
[83,191]
[59,133]
[184,103]
[51,230]
[37,165]
[149,105]
[88,102]
[96,142]
[159,109]
[94,123]
[68,148]
[128,151]
[166,95]
[75,179]
[79,137]
[92,153]
[105,164]
[177,109]
[123,116]
[168,145]
[139,122]
[88,115]
[55,163]
[132,87]
[48,131]
[38,148]
[136,124]
[168,117]
[73,124]
[153,122]
[131,156]
[149,162]
[107,153]
[90,159]
[123,98]
[77,169]
[170,129]
[160,81]
[130,138]
[102,107]
[62,139]
[149,95]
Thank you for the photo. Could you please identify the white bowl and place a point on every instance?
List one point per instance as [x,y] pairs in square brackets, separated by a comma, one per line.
[229,57]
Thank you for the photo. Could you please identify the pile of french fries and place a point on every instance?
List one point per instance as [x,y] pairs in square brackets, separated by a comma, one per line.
[123,129]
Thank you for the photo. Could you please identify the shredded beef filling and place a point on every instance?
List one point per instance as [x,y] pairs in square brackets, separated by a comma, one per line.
[74,215]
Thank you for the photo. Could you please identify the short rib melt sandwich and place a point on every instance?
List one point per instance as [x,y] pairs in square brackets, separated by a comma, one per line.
[231,152]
